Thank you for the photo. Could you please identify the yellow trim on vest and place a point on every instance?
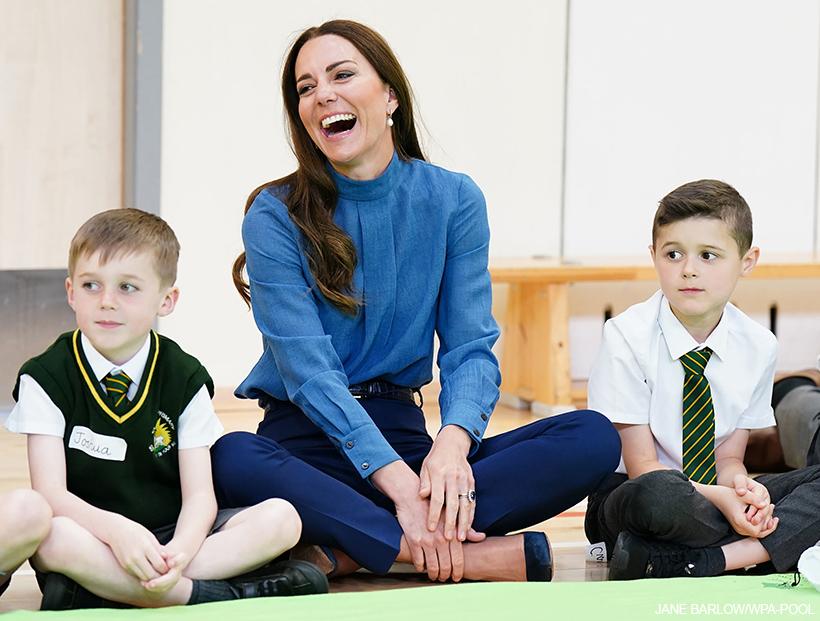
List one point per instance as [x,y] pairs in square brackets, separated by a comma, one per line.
[93,388]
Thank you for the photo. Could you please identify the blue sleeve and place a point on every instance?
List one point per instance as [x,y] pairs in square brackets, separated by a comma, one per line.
[286,314]
[466,328]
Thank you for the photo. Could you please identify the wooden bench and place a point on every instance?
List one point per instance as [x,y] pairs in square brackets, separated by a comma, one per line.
[535,364]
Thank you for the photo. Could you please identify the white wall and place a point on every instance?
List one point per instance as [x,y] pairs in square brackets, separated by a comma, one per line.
[659,93]
[490,88]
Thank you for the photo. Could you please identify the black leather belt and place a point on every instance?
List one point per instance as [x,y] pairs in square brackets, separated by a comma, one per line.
[385,390]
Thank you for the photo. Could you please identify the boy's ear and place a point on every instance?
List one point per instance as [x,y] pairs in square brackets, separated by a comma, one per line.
[652,252]
[69,290]
[168,302]
[749,261]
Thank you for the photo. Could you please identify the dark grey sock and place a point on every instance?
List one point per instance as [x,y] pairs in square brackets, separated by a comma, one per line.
[715,561]
[205,591]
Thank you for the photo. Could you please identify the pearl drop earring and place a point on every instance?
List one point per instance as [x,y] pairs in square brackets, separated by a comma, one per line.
[390,119]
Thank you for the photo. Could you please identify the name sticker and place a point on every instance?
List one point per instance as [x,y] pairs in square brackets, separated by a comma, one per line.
[102,447]
[596,553]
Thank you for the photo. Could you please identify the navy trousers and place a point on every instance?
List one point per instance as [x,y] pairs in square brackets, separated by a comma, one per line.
[523,477]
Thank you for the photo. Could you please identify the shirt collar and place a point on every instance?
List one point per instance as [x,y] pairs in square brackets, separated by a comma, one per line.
[680,342]
[370,190]
[102,366]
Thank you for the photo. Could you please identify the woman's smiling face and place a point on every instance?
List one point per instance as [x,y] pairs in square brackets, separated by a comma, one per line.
[344,105]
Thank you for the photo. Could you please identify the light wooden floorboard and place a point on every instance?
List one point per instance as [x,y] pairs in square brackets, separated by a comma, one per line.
[566,531]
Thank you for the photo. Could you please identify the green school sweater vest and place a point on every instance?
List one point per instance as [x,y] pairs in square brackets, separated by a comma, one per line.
[126,464]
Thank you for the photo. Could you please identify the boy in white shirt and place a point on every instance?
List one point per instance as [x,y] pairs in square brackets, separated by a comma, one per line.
[684,376]
[119,423]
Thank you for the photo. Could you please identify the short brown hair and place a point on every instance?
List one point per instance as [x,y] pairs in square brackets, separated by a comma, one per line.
[123,231]
[707,198]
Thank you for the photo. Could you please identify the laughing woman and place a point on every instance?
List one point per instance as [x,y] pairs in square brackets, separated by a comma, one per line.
[354,262]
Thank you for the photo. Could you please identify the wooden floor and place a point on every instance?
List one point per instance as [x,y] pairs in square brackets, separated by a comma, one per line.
[565,531]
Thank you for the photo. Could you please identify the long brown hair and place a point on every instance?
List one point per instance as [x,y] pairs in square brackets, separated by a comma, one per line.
[309,193]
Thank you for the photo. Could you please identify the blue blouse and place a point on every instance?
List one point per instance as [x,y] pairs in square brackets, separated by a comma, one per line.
[422,237]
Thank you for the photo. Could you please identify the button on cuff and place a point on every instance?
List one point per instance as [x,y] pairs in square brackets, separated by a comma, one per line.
[469,416]
[367,445]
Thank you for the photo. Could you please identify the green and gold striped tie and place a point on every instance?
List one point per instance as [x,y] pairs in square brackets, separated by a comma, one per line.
[698,419]
[117,388]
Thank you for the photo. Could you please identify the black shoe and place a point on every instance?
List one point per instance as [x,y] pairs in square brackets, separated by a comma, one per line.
[635,557]
[283,578]
[538,554]
[62,593]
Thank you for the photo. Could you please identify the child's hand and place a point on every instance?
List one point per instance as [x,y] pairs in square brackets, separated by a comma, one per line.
[176,564]
[756,496]
[734,508]
[138,551]
[754,493]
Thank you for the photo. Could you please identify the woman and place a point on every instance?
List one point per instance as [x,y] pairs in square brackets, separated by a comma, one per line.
[354,262]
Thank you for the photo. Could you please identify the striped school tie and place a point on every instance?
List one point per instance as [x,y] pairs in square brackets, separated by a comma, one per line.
[117,388]
[698,419]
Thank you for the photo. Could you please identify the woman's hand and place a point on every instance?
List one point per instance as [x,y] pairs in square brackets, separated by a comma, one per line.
[447,479]
[429,551]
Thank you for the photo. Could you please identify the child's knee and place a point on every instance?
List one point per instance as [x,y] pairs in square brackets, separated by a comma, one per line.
[652,499]
[283,521]
[27,516]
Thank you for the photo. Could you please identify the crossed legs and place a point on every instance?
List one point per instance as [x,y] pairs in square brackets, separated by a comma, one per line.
[663,505]
[520,480]
[247,541]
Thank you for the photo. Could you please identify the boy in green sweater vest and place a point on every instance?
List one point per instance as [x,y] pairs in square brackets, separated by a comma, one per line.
[119,423]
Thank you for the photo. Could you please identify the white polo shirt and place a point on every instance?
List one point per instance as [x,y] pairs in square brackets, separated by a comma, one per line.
[637,378]
[35,412]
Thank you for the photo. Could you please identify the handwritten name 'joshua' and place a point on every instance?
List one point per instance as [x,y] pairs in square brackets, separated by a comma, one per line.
[88,445]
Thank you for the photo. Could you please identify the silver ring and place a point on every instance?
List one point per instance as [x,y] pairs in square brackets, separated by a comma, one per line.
[469,495]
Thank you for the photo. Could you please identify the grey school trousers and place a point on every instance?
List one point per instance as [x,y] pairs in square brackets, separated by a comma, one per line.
[798,419]
[663,505]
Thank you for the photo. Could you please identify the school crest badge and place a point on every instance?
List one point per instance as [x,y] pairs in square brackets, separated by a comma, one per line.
[164,433]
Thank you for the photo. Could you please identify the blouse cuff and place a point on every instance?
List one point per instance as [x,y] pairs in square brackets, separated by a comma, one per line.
[470,417]
[367,450]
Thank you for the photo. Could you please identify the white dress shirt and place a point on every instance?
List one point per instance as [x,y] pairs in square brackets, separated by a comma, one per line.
[637,377]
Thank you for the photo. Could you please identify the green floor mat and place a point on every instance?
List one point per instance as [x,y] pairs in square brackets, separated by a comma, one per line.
[725,597]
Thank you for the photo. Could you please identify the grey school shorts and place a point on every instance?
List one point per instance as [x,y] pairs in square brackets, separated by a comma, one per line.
[164,534]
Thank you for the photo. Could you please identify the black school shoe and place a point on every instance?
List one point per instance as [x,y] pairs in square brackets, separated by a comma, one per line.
[282,578]
[635,557]
[62,593]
